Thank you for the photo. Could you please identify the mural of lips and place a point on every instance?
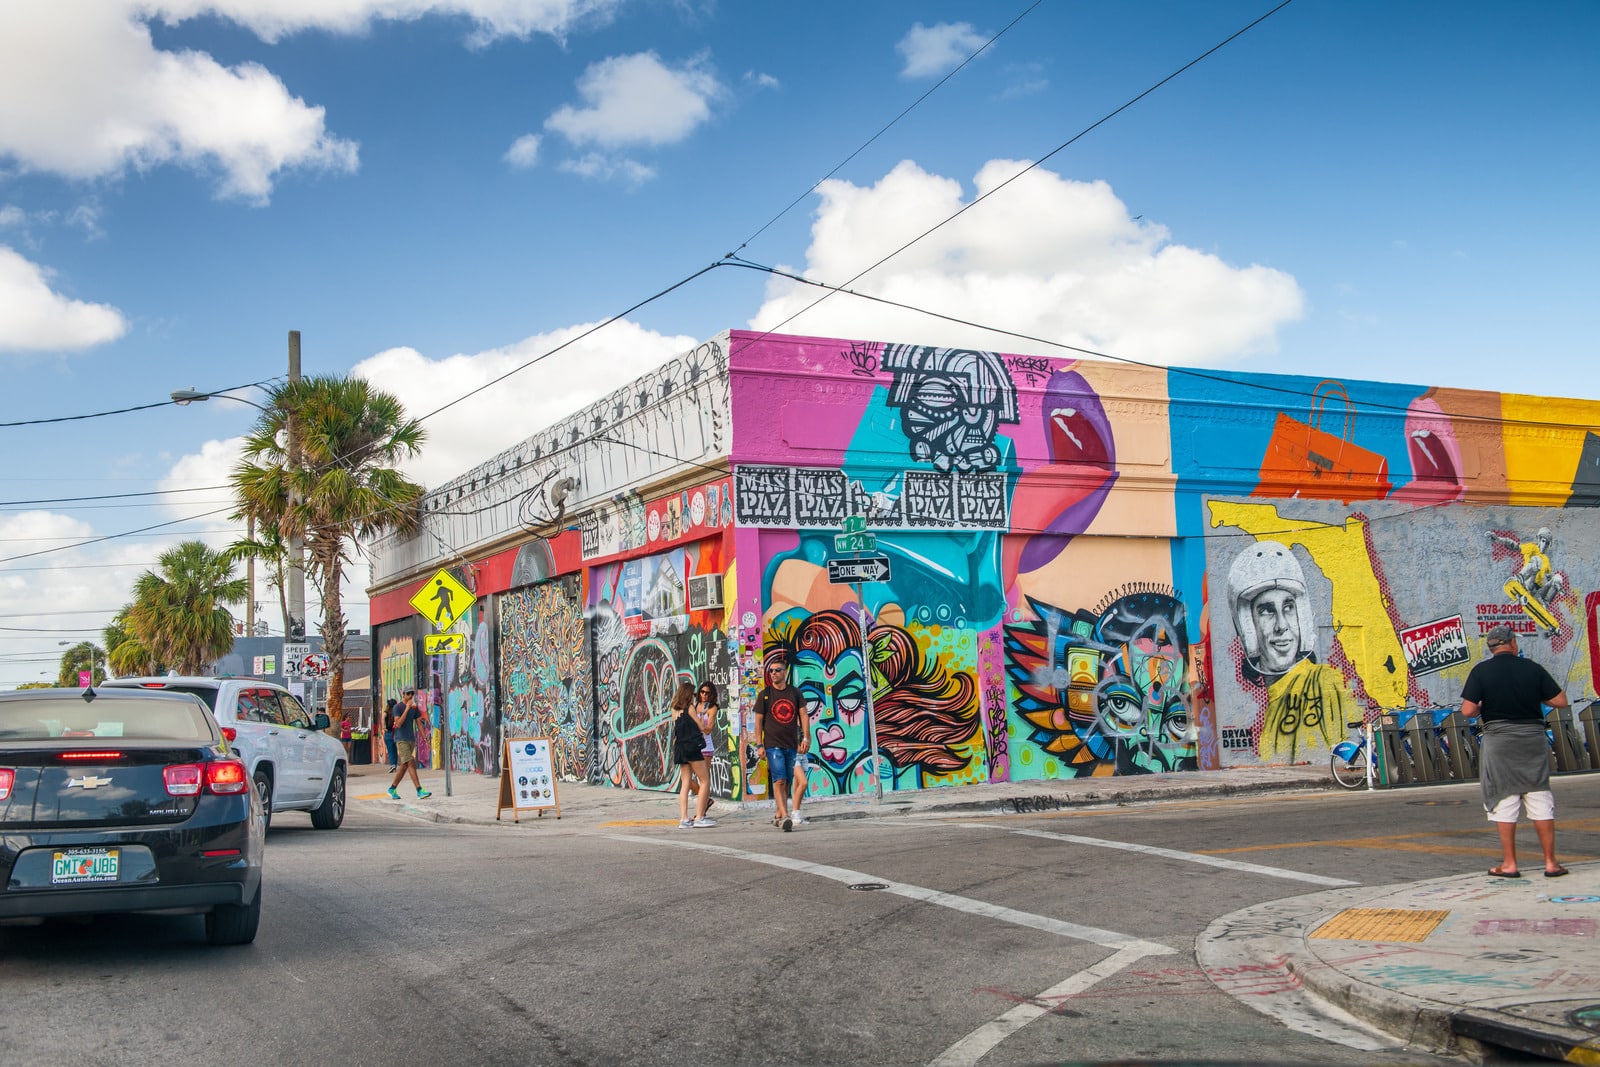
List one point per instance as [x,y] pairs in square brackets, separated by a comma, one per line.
[1435,456]
[828,742]
[1056,501]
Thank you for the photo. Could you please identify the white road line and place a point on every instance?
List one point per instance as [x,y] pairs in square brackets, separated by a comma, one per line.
[1106,938]
[970,1049]
[1172,854]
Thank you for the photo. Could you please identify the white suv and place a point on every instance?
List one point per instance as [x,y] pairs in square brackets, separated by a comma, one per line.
[295,766]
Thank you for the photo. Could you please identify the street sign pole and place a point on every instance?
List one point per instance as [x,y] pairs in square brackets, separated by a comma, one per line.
[872,718]
[444,727]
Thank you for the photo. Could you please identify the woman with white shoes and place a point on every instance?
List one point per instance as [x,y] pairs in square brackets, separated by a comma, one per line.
[688,752]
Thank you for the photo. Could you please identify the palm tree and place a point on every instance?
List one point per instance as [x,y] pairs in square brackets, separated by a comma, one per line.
[79,658]
[125,653]
[178,615]
[268,546]
[343,487]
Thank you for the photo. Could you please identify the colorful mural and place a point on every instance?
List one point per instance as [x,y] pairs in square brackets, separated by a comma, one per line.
[545,683]
[645,640]
[1094,568]
[466,681]
[399,663]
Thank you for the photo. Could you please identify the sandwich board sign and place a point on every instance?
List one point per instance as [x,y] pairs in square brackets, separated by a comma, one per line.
[527,778]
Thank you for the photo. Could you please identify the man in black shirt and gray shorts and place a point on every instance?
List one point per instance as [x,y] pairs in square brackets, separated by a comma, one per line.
[1515,768]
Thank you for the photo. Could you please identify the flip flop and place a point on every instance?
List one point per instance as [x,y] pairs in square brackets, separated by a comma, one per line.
[1557,873]
[1496,872]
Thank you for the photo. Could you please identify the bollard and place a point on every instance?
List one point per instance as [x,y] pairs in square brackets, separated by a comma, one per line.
[1591,732]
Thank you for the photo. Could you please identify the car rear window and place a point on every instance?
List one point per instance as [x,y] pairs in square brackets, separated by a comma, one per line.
[207,693]
[104,717]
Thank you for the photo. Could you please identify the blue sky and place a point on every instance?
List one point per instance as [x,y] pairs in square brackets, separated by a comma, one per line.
[434,191]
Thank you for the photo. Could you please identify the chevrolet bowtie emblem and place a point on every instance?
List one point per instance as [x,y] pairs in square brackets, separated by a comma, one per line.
[88,781]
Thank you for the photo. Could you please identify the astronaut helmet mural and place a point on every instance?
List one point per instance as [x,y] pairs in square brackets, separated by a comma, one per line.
[1272,614]
[1303,702]
[1105,691]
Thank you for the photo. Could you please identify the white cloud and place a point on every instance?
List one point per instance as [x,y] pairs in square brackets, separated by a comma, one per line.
[84,93]
[513,410]
[524,151]
[761,80]
[34,317]
[638,99]
[1046,256]
[602,167]
[272,19]
[930,51]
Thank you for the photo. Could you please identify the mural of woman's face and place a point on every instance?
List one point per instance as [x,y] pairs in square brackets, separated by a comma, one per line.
[1276,617]
[835,698]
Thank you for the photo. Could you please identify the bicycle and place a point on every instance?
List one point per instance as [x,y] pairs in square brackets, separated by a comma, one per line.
[1350,762]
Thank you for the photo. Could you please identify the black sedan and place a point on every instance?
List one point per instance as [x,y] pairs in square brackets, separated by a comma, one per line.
[122,800]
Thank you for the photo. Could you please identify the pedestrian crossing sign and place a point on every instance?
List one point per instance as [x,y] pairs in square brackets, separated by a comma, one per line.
[442,600]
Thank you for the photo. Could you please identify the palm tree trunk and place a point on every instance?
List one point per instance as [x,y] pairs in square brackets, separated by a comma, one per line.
[333,628]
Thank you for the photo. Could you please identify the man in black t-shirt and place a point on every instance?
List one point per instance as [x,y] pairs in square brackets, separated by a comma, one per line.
[783,729]
[1508,691]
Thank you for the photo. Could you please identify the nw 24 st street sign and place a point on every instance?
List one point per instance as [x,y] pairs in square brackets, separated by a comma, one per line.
[865,569]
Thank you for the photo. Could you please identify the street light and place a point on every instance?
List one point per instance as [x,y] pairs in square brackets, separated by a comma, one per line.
[185,397]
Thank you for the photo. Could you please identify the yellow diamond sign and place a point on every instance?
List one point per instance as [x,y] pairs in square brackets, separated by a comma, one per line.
[442,600]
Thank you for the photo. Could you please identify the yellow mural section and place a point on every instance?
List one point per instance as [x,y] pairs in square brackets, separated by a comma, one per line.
[1358,607]
[1544,438]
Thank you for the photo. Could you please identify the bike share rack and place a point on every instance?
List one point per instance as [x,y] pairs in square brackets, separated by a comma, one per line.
[1422,746]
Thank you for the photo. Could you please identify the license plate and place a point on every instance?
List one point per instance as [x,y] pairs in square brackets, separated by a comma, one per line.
[76,866]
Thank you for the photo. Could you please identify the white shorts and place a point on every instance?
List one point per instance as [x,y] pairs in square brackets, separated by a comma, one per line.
[1541,807]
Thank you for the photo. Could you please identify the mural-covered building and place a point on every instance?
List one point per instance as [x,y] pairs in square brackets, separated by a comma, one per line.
[1096,568]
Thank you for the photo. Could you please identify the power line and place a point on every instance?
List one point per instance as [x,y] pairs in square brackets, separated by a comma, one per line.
[885,129]
[109,496]
[121,411]
[1102,120]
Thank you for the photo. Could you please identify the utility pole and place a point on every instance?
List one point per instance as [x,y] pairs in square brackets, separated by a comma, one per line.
[250,573]
[295,624]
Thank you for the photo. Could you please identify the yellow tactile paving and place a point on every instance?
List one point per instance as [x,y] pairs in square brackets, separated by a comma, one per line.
[1381,924]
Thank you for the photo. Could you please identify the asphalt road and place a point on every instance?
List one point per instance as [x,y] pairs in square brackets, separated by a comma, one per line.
[1065,937]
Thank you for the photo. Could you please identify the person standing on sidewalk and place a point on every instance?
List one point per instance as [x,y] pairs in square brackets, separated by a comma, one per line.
[783,730]
[389,713]
[1507,691]
[705,717]
[687,752]
[405,744]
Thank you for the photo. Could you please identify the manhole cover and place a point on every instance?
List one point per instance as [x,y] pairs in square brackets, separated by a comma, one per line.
[1584,898]
[1437,803]
[870,885]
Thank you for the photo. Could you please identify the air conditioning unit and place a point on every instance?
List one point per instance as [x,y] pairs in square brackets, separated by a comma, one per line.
[705,592]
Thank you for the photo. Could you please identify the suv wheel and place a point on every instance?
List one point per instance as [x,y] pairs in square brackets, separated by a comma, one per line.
[264,790]
[330,813]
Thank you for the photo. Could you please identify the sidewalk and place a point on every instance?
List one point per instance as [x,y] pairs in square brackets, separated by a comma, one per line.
[473,797]
[1439,964]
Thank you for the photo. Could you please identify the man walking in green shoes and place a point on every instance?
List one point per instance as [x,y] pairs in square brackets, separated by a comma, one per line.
[405,746]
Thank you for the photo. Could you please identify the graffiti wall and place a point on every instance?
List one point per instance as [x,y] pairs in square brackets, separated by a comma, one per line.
[645,640]
[466,681]
[545,679]
[1104,569]
[401,666]
[1330,613]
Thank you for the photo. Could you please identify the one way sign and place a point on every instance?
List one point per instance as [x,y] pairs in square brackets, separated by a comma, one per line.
[864,569]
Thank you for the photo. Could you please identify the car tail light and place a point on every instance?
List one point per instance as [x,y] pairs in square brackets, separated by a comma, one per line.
[91,755]
[226,776]
[8,778]
[183,779]
[229,734]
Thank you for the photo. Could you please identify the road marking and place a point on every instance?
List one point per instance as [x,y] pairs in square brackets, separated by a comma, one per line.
[1172,854]
[1105,938]
[981,1042]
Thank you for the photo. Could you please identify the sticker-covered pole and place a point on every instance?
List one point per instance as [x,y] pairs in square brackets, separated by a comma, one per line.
[872,718]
